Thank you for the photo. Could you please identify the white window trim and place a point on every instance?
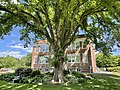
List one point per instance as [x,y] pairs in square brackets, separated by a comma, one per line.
[75,61]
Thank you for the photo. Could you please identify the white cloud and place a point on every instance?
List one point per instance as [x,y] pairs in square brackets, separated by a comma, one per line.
[14,1]
[20,46]
[12,42]
[15,54]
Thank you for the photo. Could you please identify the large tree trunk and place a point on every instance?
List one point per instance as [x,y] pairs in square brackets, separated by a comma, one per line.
[58,73]
[58,63]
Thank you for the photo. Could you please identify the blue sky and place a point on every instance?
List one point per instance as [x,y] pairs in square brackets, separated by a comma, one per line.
[12,45]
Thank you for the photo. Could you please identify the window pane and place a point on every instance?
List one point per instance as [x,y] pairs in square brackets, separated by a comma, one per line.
[35,60]
[43,59]
[44,48]
[73,46]
[47,49]
[78,58]
[73,58]
[77,45]
[69,58]
[85,58]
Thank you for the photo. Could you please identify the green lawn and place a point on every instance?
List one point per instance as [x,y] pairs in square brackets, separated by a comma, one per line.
[101,82]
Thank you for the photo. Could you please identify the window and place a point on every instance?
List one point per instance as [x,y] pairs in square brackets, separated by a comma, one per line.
[85,58]
[43,60]
[46,69]
[78,70]
[74,46]
[77,45]
[69,69]
[44,48]
[73,58]
[69,58]
[35,59]
[77,57]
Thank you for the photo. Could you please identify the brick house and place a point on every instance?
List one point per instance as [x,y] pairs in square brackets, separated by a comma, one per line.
[81,57]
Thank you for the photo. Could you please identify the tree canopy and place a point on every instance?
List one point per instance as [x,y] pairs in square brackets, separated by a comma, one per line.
[107,61]
[11,62]
[60,21]
[27,60]
[8,62]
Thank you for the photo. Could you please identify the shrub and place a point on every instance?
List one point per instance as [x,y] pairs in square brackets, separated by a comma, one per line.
[46,79]
[35,80]
[7,77]
[114,69]
[24,80]
[71,79]
[78,74]
[65,72]
[35,72]
[17,79]
[31,80]
[23,71]
[19,71]
[74,72]
[81,80]
[50,73]
[27,72]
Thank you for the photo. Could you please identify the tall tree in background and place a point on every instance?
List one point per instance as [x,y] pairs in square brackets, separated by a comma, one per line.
[107,61]
[8,62]
[27,59]
[59,21]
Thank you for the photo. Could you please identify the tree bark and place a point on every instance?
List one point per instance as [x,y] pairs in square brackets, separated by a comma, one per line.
[58,73]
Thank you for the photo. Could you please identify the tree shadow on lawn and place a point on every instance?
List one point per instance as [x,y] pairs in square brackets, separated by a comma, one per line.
[103,82]
[100,82]
[13,86]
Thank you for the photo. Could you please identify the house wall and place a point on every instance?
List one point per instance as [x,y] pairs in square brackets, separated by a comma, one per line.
[82,67]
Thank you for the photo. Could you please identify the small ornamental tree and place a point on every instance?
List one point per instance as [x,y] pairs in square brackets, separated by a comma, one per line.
[60,21]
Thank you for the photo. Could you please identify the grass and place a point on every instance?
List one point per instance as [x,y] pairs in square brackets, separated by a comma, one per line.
[100,82]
